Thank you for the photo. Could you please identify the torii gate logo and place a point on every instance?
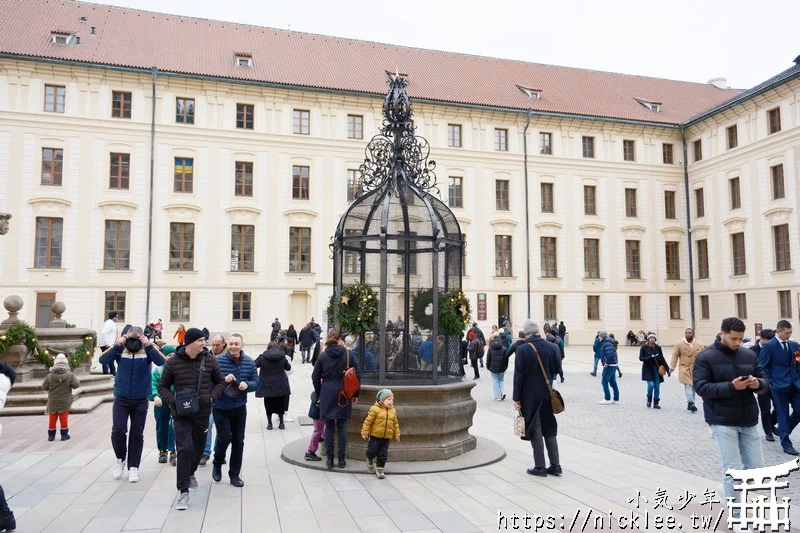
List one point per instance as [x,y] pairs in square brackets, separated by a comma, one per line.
[760,512]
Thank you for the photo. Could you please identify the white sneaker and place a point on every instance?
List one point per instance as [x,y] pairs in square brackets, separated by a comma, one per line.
[133,475]
[615,402]
[119,467]
[183,501]
[605,402]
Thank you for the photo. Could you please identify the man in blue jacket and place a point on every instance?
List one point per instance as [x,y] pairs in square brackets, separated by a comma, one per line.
[230,411]
[608,356]
[777,357]
[133,355]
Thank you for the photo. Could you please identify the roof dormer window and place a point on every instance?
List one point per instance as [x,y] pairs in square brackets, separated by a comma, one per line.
[65,38]
[533,94]
[244,59]
[655,107]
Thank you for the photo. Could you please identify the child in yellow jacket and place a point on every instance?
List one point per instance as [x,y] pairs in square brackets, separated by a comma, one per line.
[380,427]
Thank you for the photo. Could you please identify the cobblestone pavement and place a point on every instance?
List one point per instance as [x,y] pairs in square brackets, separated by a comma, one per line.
[671,436]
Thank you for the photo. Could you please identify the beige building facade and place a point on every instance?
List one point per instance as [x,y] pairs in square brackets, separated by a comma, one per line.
[249,181]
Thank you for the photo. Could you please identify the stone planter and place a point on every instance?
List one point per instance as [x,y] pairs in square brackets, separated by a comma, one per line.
[434,421]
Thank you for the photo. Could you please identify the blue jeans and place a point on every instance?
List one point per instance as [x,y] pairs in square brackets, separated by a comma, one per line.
[609,377]
[654,389]
[786,423]
[739,447]
[689,391]
[207,450]
[596,360]
[498,384]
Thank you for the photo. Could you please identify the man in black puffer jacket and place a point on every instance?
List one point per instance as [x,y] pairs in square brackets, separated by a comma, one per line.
[726,375]
[497,363]
[191,360]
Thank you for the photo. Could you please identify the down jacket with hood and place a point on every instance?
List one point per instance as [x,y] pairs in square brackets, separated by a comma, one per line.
[327,380]
[496,358]
[59,387]
[272,379]
[181,372]
[381,422]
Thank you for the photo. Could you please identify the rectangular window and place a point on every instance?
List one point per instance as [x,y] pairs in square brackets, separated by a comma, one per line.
[412,257]
[454,192]
[588,146]
[700,203]
[630,203]
[674,307]
[666,154]
[243,244]
[549,257]
[502,254]
[737,248]
[634,307]
[783,255]
[49,239]
[633,260]
[669,205]
[181,246]
[774,120]
[301,122]
[300,182]
[244,178]
[454,135]
[736,195]
[545,143]
[117,253]
[355,127]
[501,140]
[351,258]
[593,307]
[115,303]
[629,150]
[352,184]
[54,98]
[120,171]
[245,114]
[673,260]
[121,105]
[52,166]
[702,259]
[733,136]
[741,305]
[299,249]
[184,174]
[184,110]
[501,195]
[547,197]
[778,190]
[241,306]
[705,308]
[785,303]
[550,312]
[591,258]
[698,150]
[589,200]
[179,306]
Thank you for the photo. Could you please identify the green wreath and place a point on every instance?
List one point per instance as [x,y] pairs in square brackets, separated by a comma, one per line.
[454,311]
[23,333]
[357,310]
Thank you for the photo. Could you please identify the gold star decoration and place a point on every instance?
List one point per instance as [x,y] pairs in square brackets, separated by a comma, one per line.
[345,300]
[463,309]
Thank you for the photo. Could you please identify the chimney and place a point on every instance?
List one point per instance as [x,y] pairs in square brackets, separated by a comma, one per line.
[93,32]
[719,83]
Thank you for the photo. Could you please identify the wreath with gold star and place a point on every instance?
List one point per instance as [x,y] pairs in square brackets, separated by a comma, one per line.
[357,311]
[454,311]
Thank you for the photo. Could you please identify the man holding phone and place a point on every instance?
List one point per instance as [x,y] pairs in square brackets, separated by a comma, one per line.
[780,366]
[726,375]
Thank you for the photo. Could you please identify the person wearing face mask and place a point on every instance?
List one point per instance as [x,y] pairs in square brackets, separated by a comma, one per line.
[134,356]
[218,346]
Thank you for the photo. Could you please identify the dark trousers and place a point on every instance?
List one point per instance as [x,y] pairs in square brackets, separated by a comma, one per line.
[787,423]
[378,448]
[128,442]
[3,503]
[230,430]
[110,367]
[190,439]
[474,363]
[768,419]
[340,426]
[304,352]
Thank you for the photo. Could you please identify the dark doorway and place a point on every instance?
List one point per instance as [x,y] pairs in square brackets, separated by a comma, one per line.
[503,306]
[43,313]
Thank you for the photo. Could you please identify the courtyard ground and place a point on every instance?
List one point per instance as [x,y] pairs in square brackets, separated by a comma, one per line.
[608,454]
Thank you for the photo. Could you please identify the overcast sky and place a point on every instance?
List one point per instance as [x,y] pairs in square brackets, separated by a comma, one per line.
[693,40]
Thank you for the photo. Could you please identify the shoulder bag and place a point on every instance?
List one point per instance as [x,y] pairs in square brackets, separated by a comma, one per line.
[187,401]
[350,383]
[556,401]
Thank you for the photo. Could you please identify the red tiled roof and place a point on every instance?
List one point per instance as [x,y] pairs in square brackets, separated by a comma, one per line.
[141,39]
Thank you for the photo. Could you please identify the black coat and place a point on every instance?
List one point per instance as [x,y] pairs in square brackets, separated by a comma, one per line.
[496,358]
[530,388]
[272,379]
[327,382]
[291,334]
[714,370]
[650,364]
[562,330]
[308,336]
[181,372]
